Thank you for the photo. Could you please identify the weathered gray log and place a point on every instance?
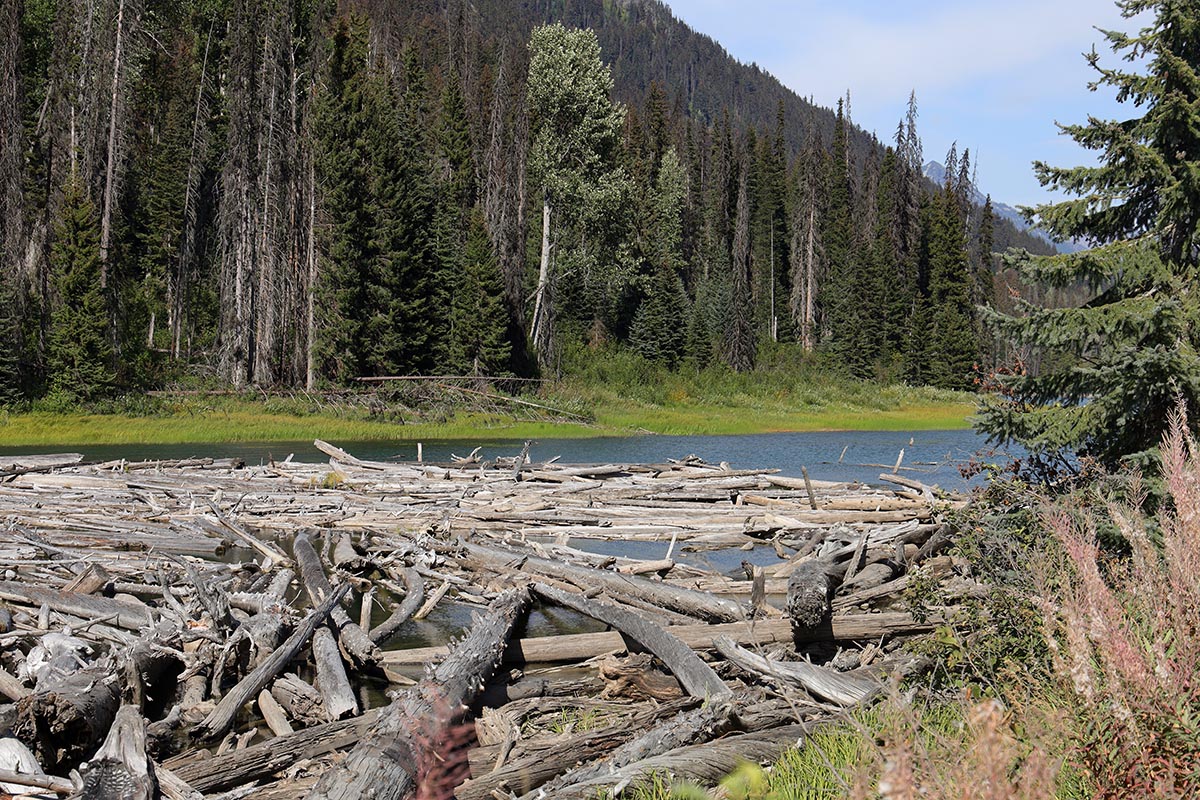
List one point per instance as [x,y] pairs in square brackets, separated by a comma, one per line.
[124,614]
[273,714]
[696,677]
[810,591]
[686,601]
[302,702]
[414,594]
[11,687]
[120,769]
[64,721]
[822,682]
[270,551]
[355,642]
[332,681]
[48,783]
[692,727]
[237,767]
[581,646]
[385,765]
[541,764]
[221,718]
[705,763]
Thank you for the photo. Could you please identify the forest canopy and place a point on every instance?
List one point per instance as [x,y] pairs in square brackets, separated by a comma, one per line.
[230,193]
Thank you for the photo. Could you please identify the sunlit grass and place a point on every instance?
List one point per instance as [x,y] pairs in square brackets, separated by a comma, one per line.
[611,393]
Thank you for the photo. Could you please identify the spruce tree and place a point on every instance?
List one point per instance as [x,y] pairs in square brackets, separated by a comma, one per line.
[740,343]
[80,348]
[953,345]
[478,317]
[1113,368]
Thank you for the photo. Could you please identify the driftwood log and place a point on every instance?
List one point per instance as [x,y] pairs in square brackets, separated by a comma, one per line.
[386,765]
[694,675]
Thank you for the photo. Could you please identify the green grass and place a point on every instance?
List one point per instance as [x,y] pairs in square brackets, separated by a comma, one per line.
[607,393]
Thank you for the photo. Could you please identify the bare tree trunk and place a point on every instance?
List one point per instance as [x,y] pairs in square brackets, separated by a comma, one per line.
[11,201]
[310,377]
[179,287]
[540,333]
[110,169]
[810,284]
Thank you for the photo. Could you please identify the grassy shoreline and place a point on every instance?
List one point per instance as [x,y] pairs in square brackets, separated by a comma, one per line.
[192,421]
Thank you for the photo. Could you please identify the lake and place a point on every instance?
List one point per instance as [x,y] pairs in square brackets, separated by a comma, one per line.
[929,456]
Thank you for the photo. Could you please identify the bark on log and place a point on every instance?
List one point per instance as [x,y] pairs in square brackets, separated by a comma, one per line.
[332,681]
[685,601]
[221,718]
[302,702]
[385,765]
[706,763]
[810,591]
[543,763]
[355,642]
[65,721]
[413,597]
[120,769]
[693,727]
[696,677]
[124,614]
[237,767]
[822,682]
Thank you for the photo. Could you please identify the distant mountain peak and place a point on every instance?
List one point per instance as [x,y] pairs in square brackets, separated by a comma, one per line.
[936,172]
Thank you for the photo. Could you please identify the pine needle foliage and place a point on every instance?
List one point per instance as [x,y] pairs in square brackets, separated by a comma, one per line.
[1109,371]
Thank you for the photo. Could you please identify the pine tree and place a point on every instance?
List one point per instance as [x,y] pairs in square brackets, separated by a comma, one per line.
[1112,369]
[80,349]
[478,317]
[953,347]
[838,311]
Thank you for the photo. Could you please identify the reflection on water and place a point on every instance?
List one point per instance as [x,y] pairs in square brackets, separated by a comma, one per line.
[933,456]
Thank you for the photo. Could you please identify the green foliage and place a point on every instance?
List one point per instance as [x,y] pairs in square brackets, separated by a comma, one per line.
[1110,369]
[478,317]
[80,349]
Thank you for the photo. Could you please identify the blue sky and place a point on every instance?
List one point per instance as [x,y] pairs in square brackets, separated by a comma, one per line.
[993,76]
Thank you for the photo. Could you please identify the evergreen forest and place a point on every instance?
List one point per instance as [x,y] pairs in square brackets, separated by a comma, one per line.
[233,194]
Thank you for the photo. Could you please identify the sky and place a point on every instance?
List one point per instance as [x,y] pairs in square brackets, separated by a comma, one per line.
[992,76]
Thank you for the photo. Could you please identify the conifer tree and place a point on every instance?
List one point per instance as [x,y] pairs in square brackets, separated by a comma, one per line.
[741,346]
[1112,368]
[953,346]
[478,317]
[838,309]
[80,349]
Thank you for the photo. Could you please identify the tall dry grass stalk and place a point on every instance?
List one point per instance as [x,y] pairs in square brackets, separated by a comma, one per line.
[1125,634]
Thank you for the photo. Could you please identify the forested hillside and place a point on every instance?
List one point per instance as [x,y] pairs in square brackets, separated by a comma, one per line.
[297,194]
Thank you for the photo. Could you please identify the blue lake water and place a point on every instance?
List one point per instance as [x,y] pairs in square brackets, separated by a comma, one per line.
[929,456]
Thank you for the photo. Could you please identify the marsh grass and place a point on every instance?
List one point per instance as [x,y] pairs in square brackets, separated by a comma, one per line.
[606,394]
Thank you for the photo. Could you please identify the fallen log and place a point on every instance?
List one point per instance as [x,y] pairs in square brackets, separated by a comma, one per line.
[685,601]
[706,763]
[693,727]
[414,595]
[546,760]
[64,721]
[354,641]
[120,769]
[385,765]
[333,683]
[694,675]
[221,718]
[238,767]
[582,646]
[124,614]
[822,682]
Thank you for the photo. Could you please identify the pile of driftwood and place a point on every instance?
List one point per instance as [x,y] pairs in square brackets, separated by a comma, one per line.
[201,628]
